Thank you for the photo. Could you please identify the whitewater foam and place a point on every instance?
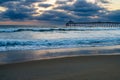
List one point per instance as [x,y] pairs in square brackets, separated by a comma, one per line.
[24,38]
[57,29]
[18,44]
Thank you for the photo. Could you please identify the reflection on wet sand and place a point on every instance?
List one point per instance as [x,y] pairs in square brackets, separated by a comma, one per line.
[29,55]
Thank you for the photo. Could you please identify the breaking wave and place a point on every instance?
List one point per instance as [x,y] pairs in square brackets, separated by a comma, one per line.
[95,36]
[56,29]
[16,44]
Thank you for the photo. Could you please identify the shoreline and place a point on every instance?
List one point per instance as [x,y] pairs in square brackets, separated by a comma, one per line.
[104,64]
[11,57]
[61,58]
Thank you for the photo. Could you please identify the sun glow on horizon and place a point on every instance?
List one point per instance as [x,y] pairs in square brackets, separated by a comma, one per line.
[2,9]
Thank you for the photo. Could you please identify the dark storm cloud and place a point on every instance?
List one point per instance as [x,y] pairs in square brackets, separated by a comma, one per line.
[113,16]
[45,5]
[81,10]
[105,1]
[54,16]
[12,15]
[3,1]
[63,1]
[17,10]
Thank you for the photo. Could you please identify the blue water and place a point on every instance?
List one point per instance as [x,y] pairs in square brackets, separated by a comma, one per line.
[36,37]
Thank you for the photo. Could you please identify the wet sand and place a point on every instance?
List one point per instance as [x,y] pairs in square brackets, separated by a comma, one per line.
[102,67]
[8,57]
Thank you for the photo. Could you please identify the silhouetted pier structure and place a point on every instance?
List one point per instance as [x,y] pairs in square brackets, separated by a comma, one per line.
[93,24]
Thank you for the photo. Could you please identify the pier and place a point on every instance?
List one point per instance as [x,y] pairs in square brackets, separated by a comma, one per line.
[93,24]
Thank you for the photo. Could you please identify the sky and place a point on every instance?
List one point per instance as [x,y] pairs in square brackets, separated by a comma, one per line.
[58,12]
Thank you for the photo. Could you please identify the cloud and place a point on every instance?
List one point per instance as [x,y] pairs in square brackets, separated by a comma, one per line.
[12,15]
[60,11]
[3,1]
[113,16]
[79,11]
[17,10]
[104,1]
[45,5]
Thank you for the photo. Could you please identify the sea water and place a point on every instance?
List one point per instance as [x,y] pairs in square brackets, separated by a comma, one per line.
[26,43]
[39,38]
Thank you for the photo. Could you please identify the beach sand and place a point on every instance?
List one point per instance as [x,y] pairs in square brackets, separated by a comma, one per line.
[102,67]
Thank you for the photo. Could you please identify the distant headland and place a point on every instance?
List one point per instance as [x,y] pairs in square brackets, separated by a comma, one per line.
[93,24]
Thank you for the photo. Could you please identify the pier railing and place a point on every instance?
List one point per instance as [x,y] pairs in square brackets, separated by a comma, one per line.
[94,24]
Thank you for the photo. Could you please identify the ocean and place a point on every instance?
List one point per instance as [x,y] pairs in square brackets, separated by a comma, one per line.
[41,38]
[26,43]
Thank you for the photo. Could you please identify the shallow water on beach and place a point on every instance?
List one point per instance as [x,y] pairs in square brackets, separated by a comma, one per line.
[39,38]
